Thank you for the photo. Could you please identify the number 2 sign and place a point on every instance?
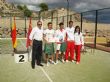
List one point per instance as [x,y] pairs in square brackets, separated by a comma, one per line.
[21,58]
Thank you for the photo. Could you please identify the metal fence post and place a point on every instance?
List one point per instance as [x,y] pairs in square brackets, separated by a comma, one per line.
[70,17]
[96,20]
[52,17]
[25,28]
[10,23]
[67,11]
[63,19]
[81,21]
[57,20]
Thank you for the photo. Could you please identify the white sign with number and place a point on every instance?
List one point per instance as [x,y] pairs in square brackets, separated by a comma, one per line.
[21,58]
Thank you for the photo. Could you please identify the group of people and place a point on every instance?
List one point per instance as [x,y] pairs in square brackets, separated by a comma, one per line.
[67,40]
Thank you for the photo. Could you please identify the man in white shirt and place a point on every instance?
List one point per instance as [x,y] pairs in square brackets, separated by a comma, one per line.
[36,37]
[70,42]
[49,45]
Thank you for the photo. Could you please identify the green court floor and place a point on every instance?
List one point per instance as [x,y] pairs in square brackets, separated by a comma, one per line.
[93,68]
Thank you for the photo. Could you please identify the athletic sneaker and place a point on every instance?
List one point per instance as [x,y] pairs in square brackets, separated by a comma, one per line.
[52,62]
[56,61]
[66,61]
[63,60]
[73,61]
[77,62]
[47,63]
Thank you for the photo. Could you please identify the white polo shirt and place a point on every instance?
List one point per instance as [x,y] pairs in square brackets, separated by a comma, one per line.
[79,39]
[49,35]
[60,35]
[36,34]
[70,33]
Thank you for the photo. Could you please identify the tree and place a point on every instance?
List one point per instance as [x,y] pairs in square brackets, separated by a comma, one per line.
[43,7]
[26,11]
[25,7]
[19,7]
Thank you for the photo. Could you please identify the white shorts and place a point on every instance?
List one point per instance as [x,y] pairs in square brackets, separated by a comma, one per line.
[58,46]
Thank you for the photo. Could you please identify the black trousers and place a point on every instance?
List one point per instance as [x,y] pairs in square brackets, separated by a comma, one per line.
[36,52]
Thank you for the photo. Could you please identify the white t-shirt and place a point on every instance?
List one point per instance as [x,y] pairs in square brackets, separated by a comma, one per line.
[36,34]
[49,35]
[70,33]
[60,35]
[79,39]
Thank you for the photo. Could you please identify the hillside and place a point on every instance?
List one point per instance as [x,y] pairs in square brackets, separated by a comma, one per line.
[61,12]
[7,9]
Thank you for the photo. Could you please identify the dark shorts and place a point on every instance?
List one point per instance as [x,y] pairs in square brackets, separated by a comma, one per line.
[49,48]
[63,47]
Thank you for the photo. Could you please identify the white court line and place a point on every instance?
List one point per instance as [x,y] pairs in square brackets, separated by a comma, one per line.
[46,74]
[26,38]
[23,44]
[50,80]
[10,38]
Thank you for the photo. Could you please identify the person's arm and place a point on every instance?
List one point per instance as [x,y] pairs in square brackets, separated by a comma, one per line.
[44,36]
[56,36]
[82,41]
[31,42]
[66,36]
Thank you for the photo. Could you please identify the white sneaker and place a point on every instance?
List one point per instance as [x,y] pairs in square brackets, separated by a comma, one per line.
[63,60]
[77,62]
[56,61]
[66,61]
[52,62]
[47,64]
[73,61]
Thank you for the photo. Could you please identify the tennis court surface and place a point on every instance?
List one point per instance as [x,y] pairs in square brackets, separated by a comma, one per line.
[93,68]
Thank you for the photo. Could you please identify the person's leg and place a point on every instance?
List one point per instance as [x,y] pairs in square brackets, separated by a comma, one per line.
[62,56]
[63,49]
[78,53]
[52,59]
[52,53]
[67,51]
[36,56]
[57,56]
[57,52]
[46,53]
[72,51]
[39,53]
[33,54]
[47,59]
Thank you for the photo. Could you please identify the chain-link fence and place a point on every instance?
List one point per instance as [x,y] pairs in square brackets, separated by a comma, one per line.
[95,26]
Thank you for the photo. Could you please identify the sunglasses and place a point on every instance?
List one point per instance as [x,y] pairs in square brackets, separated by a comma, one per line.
[39,24]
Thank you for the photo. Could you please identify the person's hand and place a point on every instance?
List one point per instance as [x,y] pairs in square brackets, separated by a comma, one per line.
[47,41]
[65,40]
[82,48]
[61,40]
[58,42]
[30,43]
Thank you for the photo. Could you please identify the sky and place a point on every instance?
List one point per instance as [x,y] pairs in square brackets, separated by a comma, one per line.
[77,5]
